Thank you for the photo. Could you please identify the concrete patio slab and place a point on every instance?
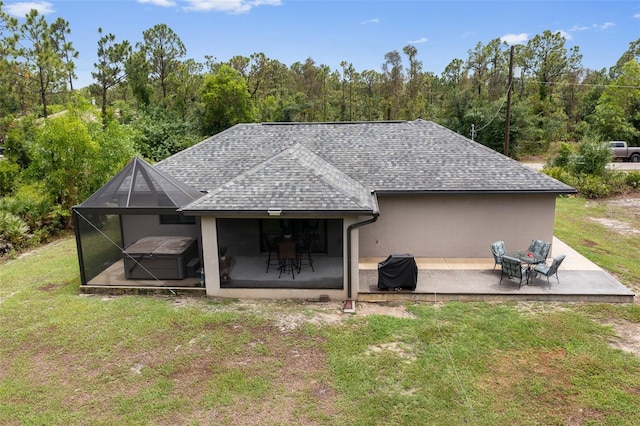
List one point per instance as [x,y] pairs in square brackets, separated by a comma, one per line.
[475,280]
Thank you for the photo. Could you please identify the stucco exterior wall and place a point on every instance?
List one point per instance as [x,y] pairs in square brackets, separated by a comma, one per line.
[457,226]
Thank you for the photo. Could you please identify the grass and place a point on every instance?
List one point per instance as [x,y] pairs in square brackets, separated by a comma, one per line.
[617,252]
[72,359]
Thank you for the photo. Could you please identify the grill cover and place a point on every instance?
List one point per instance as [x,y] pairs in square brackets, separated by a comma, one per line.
[398,272]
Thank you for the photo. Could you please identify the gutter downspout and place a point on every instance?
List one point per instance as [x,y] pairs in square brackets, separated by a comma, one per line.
[349,229]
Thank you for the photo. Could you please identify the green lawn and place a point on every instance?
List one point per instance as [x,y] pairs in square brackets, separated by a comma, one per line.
[74,359]
[583,225]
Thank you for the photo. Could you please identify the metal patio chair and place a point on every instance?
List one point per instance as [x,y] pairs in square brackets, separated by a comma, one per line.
[549,270]
[272,252]
[288,259]
[498,250]
[540,248]
[304,254]
[512,268]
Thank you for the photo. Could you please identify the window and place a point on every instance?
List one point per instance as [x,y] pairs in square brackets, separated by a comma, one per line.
[177,219]
[314,229]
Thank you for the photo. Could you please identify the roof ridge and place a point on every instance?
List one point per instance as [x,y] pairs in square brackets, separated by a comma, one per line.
[248,172]
[297,156]
[304,161]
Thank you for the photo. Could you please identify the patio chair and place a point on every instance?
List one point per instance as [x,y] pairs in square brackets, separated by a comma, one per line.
[498,250]
[549,270]
[288,259]
[304,254]
[540,248]
[512,268]
[272,250]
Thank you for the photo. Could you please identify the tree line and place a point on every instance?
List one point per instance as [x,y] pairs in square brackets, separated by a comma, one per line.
[149,98]
[553,96]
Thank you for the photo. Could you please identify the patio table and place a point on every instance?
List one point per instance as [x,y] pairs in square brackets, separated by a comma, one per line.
[527,257]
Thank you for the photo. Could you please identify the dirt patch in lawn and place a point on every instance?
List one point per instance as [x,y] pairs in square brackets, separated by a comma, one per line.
[627,335]
[616,226]
[630,203]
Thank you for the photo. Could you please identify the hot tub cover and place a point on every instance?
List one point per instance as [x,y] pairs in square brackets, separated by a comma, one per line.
[159,258]
[159,246]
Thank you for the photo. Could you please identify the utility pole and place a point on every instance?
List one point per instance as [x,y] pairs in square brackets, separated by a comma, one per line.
[508,118]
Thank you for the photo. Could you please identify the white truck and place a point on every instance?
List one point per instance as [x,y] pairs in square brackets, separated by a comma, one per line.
[621,151]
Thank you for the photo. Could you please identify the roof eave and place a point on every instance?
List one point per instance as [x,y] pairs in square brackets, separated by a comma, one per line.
[274,214]
[126,210]
[480,191]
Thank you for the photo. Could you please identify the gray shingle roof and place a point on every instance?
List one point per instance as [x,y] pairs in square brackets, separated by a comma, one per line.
[407,156]
[293,180]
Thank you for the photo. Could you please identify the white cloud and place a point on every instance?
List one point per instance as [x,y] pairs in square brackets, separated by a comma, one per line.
[418,41]
[579,28]
[576,28]
[371,21]
[512,39]
[604,26]
[21,9]
[231,6]
[161,3]
[637,16]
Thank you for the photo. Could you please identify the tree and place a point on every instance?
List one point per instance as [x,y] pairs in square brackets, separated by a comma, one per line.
[59,31]
[414,104]
[188,83]
[159,132]
[73,157]
[240,64]
[477,64]
[137,70]
[392,83]
[110,67]
[617,115]
[453,73]
[497,53]
[348,75]
[633,52]
[38,50]
[226,100]
[546,57]
[371,84]
[8,26]
[163,49]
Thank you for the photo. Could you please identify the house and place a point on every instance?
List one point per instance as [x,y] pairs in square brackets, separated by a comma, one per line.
[347,190]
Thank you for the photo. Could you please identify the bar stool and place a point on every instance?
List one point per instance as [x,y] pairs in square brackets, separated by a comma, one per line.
[288,259]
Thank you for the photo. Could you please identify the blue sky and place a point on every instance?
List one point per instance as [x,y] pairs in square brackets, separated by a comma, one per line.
[357,31]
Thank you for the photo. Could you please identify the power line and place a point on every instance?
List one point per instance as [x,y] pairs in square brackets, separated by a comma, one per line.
[582,84]
[474,131]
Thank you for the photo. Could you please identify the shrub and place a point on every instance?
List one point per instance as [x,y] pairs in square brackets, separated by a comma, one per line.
[562,174]
[9,174]
[593,186]
[616,181]
[632,180]
[13,232]
[592,157]
[36,210]
[564,157]
[585,169]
